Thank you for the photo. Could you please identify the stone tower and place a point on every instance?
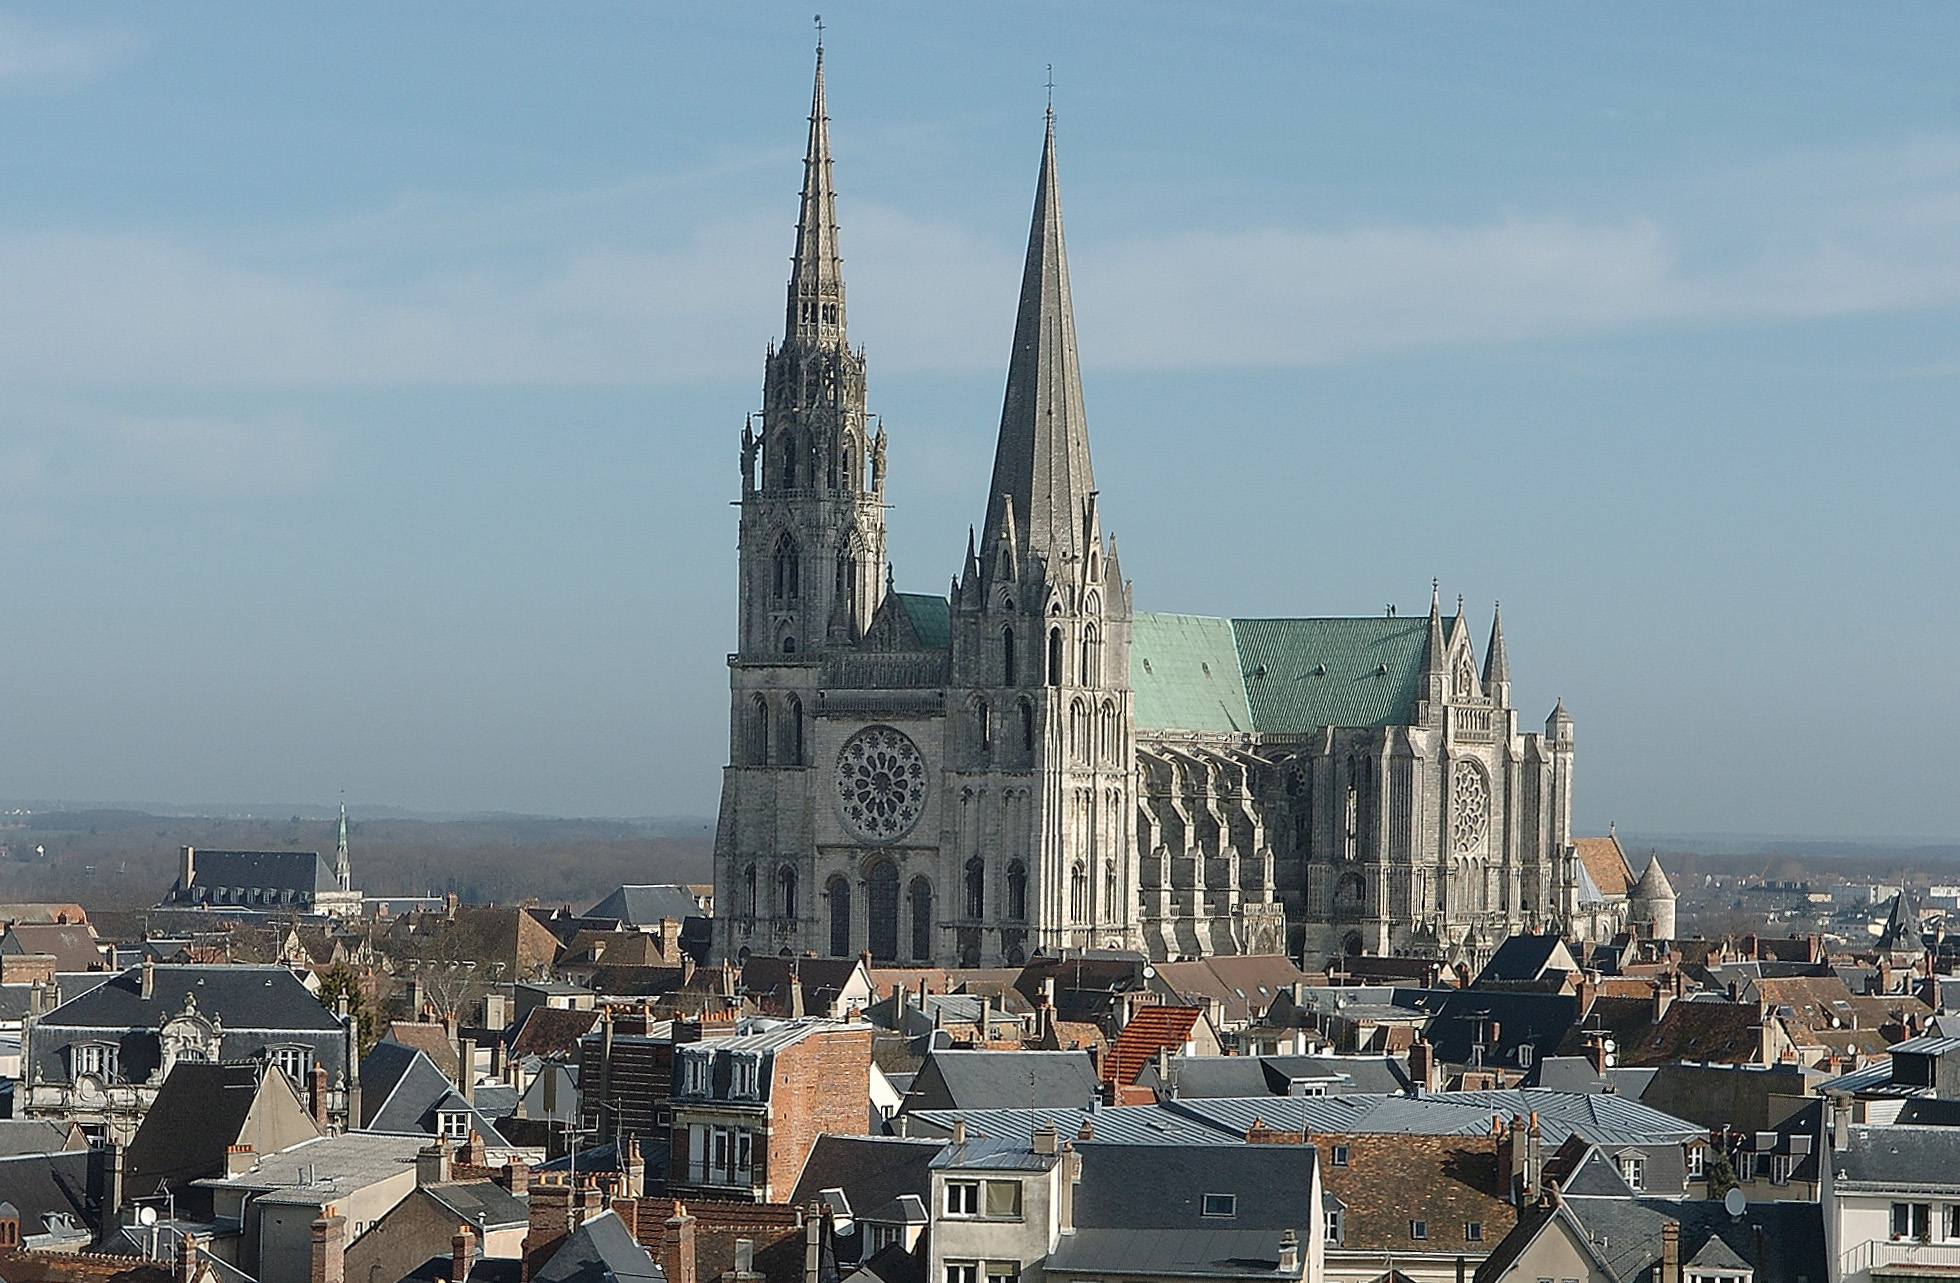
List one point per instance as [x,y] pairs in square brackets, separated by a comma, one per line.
[1040,763]
[811,550]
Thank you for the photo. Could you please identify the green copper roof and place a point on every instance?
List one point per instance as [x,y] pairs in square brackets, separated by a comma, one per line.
[1279,676]
[1184,672]
[1303,674]
[930,617]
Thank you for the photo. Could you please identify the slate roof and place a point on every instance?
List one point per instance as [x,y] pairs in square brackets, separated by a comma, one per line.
[247,997]
[646,904]
[1138,1209]
[599,1251]
[480,1203]
[1462,1025]
[44,1184]
[873,1171]
[303,871]
[892,1264]
[37,1136]
[1601,1118]
[968,1080]
[1627,1233]
[1522,957]
[402,1092]
[1898,1156]
[1276,676]
[199,1110]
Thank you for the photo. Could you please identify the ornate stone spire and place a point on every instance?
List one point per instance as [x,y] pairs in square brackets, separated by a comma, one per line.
[816,283]
[1041,462]
[343,866]
[1435,651]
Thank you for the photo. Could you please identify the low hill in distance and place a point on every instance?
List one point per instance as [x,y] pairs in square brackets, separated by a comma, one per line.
[127,859]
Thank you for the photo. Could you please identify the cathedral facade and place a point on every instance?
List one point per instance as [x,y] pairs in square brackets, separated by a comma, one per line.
[1025,764]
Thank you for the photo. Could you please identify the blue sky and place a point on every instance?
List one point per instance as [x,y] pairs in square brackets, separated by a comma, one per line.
[371,375]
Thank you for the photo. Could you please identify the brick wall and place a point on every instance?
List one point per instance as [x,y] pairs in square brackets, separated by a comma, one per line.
[821,1084]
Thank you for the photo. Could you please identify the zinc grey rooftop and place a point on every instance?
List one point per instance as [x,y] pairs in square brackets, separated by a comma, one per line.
[330,1167]
[1899,1156]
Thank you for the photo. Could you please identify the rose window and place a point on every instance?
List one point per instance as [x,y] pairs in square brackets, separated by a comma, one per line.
[881,783]
[1469,808]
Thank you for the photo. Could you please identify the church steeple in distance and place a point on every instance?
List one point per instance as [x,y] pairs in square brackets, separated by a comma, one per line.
[816,285]
[1042,475]
[343,865]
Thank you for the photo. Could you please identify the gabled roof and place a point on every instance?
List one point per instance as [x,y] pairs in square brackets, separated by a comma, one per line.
[72,945]
[409,1096]
[1277,676]
[1605,862]
[304,871]
[245,997]
[600,1251]
[552,1031]
[1382,1181]
[1722,1032]
[44,1184]
[964,1080]
[873,1171]
[1527,957]
[199,1111]
[1243,985]
[480,1203]
[1150,1030]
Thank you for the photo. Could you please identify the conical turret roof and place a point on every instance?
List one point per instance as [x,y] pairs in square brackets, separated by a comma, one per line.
[1653,884]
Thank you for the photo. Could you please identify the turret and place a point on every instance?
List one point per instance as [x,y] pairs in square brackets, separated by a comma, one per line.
[1652,900]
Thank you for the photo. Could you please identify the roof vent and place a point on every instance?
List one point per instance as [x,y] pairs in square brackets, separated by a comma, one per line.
[1381,670]
[1320,670]
[1259,671]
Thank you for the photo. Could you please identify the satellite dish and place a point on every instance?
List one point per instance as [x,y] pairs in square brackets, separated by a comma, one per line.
[146,1216]
[1149,972]
[1734,1202]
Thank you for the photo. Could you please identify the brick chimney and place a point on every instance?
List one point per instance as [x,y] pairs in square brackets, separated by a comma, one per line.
[1534,1157]
[1663,998]
[677,1247]
[239,1159]
[316,1096]
[1424,1073]
[186,1257]
[551,1222]
[462,1254]
[516,1178]
[329,1257]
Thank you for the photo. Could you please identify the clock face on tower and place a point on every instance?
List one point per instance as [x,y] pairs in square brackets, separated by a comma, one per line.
[881,784]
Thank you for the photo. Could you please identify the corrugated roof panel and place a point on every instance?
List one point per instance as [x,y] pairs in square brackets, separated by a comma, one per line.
[1303,674]
[1184,672]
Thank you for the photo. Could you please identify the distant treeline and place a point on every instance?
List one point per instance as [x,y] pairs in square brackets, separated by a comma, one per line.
[118,859]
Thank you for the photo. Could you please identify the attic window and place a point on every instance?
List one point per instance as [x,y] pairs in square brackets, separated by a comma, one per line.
[1473,1231]
[1419,1230]
[1146,665]
[1218,1205]
[1340,1155]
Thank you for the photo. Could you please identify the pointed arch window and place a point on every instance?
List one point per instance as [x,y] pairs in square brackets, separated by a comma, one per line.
[1091,656]
[838,893]
[1054,657]
[976,888]
[758,746]
[1078,730]
[1078,893]
[1007,657]
[786,569]
[793,732]
[787,479]
[1109,890]
[749,892]
[921,920]
[786,892]
[1017,891]
[1109,734]
[1027,726]
[983,718]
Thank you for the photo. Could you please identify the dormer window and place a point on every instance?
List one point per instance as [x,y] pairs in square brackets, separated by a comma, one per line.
[97,1059]
[453,1124]
[295,1062]
[745,1071]
[1218,1205]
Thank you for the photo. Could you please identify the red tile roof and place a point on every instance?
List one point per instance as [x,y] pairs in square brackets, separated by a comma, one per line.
[1151,1029]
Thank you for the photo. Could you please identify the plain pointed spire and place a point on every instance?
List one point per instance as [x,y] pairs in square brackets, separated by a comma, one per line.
[1497,666]
[1041,462]
[343,865]
[816,283]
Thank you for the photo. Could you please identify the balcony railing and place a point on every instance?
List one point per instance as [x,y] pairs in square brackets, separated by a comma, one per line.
[1877,1254]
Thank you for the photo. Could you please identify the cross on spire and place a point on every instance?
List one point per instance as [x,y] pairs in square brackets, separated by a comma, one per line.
[819,21]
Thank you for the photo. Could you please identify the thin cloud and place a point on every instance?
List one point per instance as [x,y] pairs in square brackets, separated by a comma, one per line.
[63,449]
[35,57]
[1805,237]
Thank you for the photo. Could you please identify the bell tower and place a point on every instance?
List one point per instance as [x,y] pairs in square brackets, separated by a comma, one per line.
[811,556]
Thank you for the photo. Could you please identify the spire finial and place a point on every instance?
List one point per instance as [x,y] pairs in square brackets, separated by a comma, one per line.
[819,21]
[1051,93]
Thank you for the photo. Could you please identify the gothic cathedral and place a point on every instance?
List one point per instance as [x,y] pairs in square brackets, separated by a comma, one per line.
[1024,765]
